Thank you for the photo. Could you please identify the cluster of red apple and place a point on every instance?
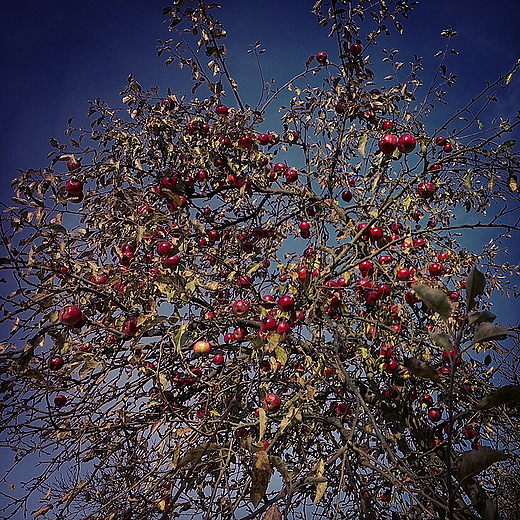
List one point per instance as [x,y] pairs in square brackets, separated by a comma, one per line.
[73,186]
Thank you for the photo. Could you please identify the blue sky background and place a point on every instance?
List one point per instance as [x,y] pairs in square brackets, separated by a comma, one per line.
[56,55]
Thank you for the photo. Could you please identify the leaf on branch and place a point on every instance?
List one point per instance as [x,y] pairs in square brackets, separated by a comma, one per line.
[421,369]
[475,461]
[489,332]
[441,340]
[475,283]
[196,453]
[321,485]
[480,317]
[42,511]
[362,143]
[273,513]
[180,338]
[261,477]
[512,182]
[280,465]
[262,419]
[436,299]
[502,395]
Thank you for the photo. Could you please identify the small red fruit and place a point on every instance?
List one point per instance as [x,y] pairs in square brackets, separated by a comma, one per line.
[434,414]
[164,248]
[426,190]
[56,362]
[286,303]
[74,187]
[355,49]
[406,143]
[346,196]
[321,58]
[60,400]
[240,308]
[272,403]
[70,315]
[222,110]
[130,327]
[388,143]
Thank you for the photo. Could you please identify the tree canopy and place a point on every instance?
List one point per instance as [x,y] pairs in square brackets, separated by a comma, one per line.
[218,316]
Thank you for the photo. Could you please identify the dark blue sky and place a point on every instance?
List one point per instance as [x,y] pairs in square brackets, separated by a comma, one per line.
[56,55]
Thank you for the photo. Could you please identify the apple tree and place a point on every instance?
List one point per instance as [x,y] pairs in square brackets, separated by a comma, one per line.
[215,314]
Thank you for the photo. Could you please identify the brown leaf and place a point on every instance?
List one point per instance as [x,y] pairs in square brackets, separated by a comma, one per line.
[273,513]
[42,511]
[261,477]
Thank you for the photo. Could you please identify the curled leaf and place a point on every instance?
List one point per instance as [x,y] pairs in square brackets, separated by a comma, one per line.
[502,395]
[475,461]
[261,477]
[421,369]
[489,332]
[436,299]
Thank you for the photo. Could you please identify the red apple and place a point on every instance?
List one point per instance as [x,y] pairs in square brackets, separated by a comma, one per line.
[70,315]
[74,187]
[403,274]
[388,143]
[321,58]
[240,308]
[272,403]
[286,303]
[355,49]
[60,400]
[130,327]
[164,248]
[434,414]
[222,110]
[346,196]
[56,362]
[426,190]
[406,143]
[73,165]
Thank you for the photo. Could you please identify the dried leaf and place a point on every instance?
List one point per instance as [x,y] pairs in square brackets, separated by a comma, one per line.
[280,465]
[273,513]
[321,487]
[436,299]
[42,511]
[362,143]
[502,395]
[261,477]
[421,369]
[262,418]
